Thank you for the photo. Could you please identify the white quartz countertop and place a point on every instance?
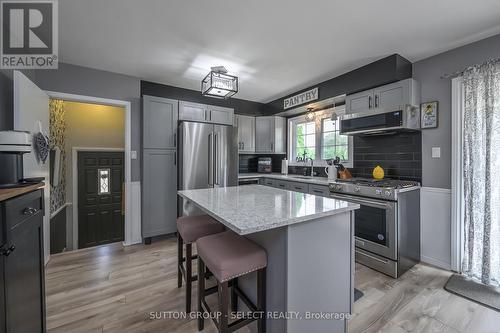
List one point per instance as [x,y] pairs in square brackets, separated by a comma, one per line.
[252,208]
[290,178]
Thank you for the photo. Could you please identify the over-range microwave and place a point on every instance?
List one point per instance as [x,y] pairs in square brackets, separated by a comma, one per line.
[381,122]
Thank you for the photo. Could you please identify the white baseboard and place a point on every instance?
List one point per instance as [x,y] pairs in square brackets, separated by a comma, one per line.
[436,262]
[435,226]
[135,230]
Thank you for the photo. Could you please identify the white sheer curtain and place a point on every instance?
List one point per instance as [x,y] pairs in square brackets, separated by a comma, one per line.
[481,166]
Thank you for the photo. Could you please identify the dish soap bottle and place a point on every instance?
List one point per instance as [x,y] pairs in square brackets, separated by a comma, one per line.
[378,172]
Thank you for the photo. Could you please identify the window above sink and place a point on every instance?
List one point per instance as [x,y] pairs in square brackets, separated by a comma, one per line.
[319,138]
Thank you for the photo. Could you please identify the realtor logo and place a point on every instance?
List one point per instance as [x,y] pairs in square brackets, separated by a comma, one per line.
[29,36]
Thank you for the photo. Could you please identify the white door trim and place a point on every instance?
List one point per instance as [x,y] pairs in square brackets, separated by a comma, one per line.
[129,235]
[457,232]
[74,180]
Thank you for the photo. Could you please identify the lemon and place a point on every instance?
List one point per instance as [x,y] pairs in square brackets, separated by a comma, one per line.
[378,172]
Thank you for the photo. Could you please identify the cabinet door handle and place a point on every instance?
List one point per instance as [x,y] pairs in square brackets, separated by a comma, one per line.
[29,211]
[8,251]
[369,102]
[376,101]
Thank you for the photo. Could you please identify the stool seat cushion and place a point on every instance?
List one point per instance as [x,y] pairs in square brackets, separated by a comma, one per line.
[228,255]
[193,227]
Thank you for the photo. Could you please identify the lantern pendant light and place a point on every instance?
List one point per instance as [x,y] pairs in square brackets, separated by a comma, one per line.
[219,84]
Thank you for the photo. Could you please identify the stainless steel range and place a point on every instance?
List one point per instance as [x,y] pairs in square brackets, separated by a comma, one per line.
[387,226]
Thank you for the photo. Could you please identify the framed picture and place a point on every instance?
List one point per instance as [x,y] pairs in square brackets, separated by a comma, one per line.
[429,115]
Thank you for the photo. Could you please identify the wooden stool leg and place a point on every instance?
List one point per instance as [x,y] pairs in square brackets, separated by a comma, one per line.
[261,300]
[201,295]
[179,260]
[223,307]
[234,296]
[189,268]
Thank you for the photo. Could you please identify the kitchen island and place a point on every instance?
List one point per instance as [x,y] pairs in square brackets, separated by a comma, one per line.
[309,244]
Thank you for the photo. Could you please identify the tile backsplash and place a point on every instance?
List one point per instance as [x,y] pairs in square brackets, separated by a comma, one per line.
[400,155]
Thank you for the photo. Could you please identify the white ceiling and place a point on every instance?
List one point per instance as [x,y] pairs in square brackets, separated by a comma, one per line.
[276,47]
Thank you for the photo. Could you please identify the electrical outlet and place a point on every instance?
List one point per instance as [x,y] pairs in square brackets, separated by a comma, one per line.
[133,154]
[436,152]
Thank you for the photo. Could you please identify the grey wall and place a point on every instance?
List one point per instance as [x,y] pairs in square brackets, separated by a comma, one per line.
[6,114]
[91,82]
[437,172]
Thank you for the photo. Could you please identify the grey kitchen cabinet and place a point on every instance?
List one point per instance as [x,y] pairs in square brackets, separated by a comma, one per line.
[23,266]
[159,122]
[220,115]
[388,97]
[395,95]
[246,133]
[321,190]
[359,102]
[205,113]
[298,187]
[270,135]
[267,182]
[283,184]
[159,200]
[193,111]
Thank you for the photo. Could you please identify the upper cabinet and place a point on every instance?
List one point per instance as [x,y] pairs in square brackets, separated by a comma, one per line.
[246,133]
[159,122]
[205,113]
[270,135]
[388,97]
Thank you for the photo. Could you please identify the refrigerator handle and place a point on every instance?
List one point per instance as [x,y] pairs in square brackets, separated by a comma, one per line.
[216,158]
[210,160]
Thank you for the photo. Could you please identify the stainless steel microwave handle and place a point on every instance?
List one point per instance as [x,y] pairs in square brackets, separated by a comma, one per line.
[362,201]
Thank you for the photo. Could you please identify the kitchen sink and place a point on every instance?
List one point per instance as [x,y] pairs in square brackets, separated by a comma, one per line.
[302,177]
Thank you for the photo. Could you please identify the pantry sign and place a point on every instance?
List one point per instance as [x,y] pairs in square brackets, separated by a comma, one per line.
[306,96]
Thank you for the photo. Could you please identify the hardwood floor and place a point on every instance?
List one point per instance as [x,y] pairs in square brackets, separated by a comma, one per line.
[114,288]
[416,302]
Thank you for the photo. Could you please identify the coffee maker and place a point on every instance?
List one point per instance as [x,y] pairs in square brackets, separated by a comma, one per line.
[13,145]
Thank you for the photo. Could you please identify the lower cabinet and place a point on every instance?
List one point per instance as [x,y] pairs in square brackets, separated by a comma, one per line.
[320,190]
[159,192]
[22,261]
[298,187]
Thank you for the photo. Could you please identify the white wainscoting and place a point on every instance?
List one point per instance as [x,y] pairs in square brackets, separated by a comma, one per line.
[435,226]
[134,233]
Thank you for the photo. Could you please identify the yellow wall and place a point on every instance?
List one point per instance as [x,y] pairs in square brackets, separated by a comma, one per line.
[92,126]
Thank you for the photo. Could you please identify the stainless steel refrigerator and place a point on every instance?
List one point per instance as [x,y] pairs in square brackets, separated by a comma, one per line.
[208,157]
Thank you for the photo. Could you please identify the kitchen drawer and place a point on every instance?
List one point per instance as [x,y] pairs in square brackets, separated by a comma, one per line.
[283,184]
[298,187]
[20,208]
[320,190]
[267,182]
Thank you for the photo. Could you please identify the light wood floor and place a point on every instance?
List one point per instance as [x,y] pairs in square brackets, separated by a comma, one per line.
[114,288]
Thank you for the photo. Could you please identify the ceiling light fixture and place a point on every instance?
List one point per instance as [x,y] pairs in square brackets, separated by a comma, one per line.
[310,114]
[335,116]
[219,84]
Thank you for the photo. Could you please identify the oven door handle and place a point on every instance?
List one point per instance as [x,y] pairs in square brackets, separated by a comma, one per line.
[363,201]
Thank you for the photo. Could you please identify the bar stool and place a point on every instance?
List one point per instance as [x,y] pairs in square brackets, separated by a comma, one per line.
[189,229]
[229,256]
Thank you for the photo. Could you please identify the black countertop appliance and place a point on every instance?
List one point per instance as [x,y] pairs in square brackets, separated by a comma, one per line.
[264,165]
[13,145]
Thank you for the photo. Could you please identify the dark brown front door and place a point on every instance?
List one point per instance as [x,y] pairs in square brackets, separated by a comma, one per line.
[100,181]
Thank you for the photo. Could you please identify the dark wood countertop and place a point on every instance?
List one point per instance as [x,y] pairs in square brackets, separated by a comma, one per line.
[7,193]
